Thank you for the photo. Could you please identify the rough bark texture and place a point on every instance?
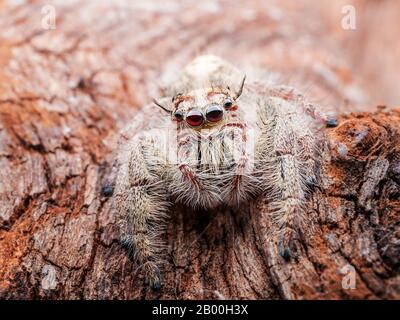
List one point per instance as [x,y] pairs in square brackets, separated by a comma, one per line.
[65,93]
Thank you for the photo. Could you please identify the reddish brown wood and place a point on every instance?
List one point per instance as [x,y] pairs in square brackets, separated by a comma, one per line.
[65,94]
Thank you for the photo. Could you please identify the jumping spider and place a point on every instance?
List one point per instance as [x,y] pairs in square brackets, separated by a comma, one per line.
[215,141]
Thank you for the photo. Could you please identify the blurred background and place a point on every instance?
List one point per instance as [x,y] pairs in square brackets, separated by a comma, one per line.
[306,43]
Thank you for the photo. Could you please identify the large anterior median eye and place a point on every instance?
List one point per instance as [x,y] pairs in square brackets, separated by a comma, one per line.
[214,113]
[194,118]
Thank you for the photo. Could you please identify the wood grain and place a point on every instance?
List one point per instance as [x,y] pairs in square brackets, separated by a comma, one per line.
[65,94]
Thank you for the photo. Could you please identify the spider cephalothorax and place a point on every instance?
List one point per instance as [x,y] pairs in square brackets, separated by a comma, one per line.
[204,107]
[216,145]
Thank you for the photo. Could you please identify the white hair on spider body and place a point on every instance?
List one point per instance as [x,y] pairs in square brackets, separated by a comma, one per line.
[267,142]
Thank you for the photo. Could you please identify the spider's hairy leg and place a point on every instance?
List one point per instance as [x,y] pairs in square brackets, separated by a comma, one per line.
[292,94]
[189,185]
[241,181]
[287,158]
[141,203]
[289,209]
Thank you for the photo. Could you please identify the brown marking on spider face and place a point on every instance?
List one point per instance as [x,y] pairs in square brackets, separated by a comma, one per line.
[176,96]
[234,108]
[214,91]
[239,125]
[181,98]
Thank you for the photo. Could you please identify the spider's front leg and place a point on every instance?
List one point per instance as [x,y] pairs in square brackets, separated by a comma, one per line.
[141,203]
[286,156]
[189,178]
[241,181]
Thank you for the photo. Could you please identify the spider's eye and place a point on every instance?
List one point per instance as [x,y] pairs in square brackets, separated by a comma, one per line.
[178,115]
[228,103]
[214,113]
[194,118]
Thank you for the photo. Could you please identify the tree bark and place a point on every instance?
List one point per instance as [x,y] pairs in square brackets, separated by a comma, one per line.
[66,92]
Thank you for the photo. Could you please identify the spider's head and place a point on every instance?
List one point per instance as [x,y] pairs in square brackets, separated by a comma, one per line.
[204,108]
